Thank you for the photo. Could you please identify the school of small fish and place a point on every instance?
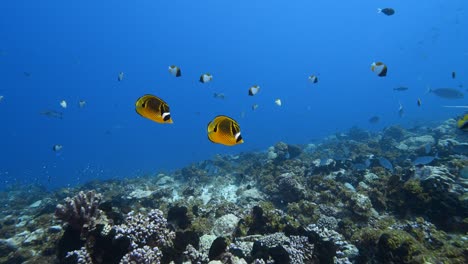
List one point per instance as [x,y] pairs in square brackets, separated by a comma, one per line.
[226,131]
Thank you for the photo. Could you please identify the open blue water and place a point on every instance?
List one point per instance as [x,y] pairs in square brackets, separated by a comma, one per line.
[74,50]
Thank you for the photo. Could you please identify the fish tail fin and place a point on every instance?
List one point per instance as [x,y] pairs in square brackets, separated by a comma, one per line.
[379,10]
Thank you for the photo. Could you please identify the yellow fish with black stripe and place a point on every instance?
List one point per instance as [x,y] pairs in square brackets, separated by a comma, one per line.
[153,108]
[224,130]
[463,123]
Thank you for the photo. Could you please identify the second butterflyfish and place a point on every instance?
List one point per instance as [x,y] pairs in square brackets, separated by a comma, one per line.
[153,108]
[174,70]
[379,68]
[224,130]
[254,90]
[205,78]
[313,79]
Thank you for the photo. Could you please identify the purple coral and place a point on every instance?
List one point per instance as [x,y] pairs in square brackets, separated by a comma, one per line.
[144,255]
[150,229]
[81,256]
[81,211]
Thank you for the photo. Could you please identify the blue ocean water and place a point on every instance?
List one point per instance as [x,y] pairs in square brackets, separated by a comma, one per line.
[74,50]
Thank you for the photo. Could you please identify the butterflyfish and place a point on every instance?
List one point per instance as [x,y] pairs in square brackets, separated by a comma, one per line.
[206,77]
[379,68]
[174,70]
[278,102]
[224,130]
[463,123]
[153,108]
[120,77]
[57,147]
[254,90]
[63,104]
[82,103]
[313,79]
[387,11]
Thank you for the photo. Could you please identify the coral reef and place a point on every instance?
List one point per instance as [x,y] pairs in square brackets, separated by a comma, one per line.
[80,212]
[141,230]
[144,255]
[394,196]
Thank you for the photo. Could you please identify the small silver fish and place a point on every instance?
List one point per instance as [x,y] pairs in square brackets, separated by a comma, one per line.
[401,110]
[401,88]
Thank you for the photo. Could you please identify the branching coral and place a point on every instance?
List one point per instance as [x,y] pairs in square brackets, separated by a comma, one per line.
[150,229]
[80,212]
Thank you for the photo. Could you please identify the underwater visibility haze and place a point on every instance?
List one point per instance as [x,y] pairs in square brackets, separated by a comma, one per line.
[74,51]
[254,86]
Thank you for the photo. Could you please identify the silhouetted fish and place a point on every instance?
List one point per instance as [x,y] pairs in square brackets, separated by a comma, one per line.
[386,164]
[400,88]
[52,114]
[374,120]
[424,160]
[387,11]
[447,93]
